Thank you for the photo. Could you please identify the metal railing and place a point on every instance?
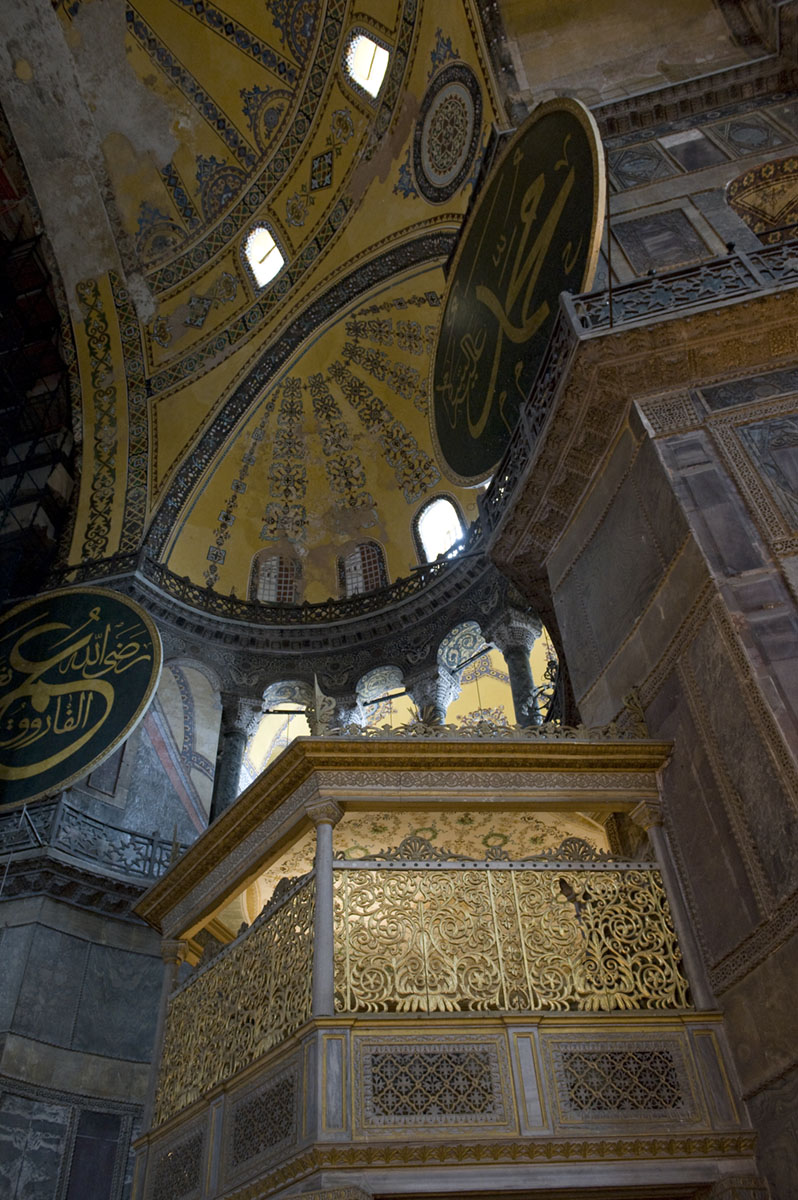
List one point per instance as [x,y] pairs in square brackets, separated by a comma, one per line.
[61,826]
[659,297]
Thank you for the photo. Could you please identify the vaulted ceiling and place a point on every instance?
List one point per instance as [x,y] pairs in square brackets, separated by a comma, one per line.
[218,418]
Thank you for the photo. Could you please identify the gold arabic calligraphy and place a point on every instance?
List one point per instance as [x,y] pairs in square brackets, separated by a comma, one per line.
[62,697]
[512,301]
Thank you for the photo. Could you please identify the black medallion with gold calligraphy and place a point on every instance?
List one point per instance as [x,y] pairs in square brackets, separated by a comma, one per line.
[535,232]
[78,669]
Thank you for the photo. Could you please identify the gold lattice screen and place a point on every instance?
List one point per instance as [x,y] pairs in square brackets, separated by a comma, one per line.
[504,940]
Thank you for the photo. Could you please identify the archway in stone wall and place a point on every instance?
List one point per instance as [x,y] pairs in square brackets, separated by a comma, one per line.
[285,706]
[383,699]
[480,667]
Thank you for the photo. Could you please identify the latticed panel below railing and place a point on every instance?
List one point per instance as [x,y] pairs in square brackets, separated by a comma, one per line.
[504,940]
[249,998]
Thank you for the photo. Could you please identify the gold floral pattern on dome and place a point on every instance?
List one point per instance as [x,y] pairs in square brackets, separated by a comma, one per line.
[509,940]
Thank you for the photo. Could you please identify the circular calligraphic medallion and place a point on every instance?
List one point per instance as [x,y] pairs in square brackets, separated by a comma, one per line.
[78,669]
[447,133]
[534,232]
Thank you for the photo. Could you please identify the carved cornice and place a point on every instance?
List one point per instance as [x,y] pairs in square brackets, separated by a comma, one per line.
[44,874]
[494,1153]
[250,646]
[648,113]
[212,867]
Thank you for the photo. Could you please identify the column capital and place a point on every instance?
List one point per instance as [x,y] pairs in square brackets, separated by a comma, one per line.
[174,951]
[432,691]
[240,714]
[513,629]
[324,812]
[647,814]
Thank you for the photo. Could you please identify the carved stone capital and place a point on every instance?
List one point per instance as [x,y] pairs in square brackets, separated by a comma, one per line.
[434,691]
[174,951]
[647,814]
[513,629]
[324,812]
[240,714]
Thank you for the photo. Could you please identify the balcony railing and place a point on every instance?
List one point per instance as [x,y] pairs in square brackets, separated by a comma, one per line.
[660,297]
[421,931]
[60,825]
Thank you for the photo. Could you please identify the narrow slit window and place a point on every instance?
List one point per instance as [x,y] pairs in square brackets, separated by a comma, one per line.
[366,62]
[263,255]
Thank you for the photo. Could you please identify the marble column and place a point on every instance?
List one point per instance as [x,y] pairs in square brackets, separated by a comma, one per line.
[239,717]
[432,692]
[515,633]
[648,815]
[324,815]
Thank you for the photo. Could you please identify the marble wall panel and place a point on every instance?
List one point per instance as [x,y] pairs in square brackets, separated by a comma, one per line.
[94,1156]
[723,900]
[773,446]
[661,508]
[119,1004]
[774,1111]
[33,1140]
[759,787]
[609,585]
[15,942]
[660,241]
[50,994]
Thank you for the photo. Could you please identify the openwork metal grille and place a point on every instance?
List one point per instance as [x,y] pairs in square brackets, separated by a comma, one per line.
[251,997]
[57,823]
[177,1171]
[411,1084]
[621,1080]
[265,1120]
[437,940]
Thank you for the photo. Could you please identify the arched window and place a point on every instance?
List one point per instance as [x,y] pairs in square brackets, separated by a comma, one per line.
[366,62]
[275,579]
[437,527]
[263,255]
[363,570]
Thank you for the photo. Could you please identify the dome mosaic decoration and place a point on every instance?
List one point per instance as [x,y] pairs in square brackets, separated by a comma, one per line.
[447,133]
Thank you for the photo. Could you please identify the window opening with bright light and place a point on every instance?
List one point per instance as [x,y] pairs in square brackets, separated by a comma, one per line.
[366,62]
[276,580]
[363,570]
[263,255]
[438,528]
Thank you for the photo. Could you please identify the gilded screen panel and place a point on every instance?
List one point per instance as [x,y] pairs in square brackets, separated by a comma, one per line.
[249,999]
[511,940]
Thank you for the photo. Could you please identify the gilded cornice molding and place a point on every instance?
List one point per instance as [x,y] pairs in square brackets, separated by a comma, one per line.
[276,803]
[492,1152]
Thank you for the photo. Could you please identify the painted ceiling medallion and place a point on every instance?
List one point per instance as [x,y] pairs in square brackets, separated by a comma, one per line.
[447,133]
